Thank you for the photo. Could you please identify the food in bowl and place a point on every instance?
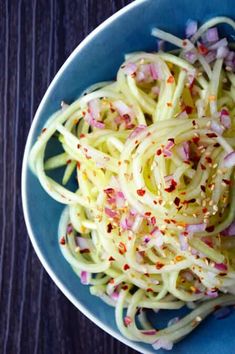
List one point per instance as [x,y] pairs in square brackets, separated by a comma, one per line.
[150,223]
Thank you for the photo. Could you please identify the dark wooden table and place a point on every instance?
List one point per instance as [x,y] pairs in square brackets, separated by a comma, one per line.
[36,36]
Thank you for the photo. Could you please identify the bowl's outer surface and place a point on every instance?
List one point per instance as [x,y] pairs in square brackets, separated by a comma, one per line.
[98,59]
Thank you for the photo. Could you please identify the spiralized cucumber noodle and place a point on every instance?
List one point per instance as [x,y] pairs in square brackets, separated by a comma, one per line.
[151,222]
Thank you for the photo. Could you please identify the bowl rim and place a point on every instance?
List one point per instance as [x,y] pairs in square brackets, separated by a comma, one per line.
[28,145]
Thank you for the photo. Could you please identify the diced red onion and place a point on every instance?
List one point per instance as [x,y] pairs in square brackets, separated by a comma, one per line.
[93,122]
[169,145]
[191,28]
[196,227]
[212,34]
[168,179]
[167,153]
[229,160]
[191,56]
[217,128]
[146,239]
[130,68]
[149,332]
[221,266]
[128,320]
[120,200]
[184,151]
[115,295]
[158,238]
[173,321]
[140,76]
[153,71]
[111,213]
[188,276]
[83,243]
[162,343]
[84,278]
[229,231]
[94,108]
[225,118]
[211,56]
[222,52]
[69,229]
[212,294]
[182,115]
[122,108]
[222,43]
[137,131]
[183,242]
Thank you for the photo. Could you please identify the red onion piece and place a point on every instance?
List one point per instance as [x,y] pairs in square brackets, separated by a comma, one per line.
[191,28]
[222,52]
[114,295]
[83,243]
[191,56]
[225,118]
[110,212]
[122,108]
[221,266]
[69,229]
[217,128]
[210,57]
[130,68]
[84,278]
[196,227]
[153,71]
[229,160]
[140,76]
[93,122]
[222,43]
[184,151]
[229,231]
[162,343]
[149,332]
[94,108]
[212,294]
[128,320]
[183,242]
[212,34]
[137,131]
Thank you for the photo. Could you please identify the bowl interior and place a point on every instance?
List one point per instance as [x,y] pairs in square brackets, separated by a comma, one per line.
[98,59]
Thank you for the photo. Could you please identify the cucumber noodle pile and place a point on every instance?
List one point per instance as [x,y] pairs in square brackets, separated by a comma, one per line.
[151,223]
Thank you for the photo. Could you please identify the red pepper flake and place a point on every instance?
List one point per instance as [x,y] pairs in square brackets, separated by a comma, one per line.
[148,213]
[62,241]
[109,228]
[210,228]
[167,221]
[196,139]
[82,136]
[153,220]
[194,123]
[78,146]
[211,135]
[188,109]
[203,167]
[126,267]
[170,80]
[86,250]
[149,290]
[208,159]
[159,151]
[203,188]
[177,201]
[159,265]
[202,49]
[111,259]
[172,140]
[124,287]
[193,200]
[226,181]
[148,134]
[155,202]
[108,191]
[111,281]
[172,186]
[43,130]
[204,210]
[78,165]
[140,192]
[169,104]
[216,145]
[121,248]
[184,42]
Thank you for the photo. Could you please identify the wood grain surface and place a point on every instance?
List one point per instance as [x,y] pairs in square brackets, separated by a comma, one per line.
[36,36]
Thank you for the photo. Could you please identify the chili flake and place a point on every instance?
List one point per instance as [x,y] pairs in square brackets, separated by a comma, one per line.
[172,186]
[210,228]
[170,80]
[62,241]
[121,248]
[177,201]
[109,228]
[211,135]
[159,265]
[159,151]
[126,267]
[111,259]
[127,321]
[140,192]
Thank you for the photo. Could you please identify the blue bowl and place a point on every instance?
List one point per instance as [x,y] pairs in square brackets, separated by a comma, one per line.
[96,59]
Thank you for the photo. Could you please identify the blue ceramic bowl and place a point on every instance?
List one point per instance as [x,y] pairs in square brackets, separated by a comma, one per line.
[96,59]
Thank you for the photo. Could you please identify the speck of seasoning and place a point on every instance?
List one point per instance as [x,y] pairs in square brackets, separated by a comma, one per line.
[169,104]
[170,80]
[203,167]
[109,228]
[126,267]
[43,130]
[226,182]
[78,146]
[210,228]
[149,290]
[121,248]
[124,287]
[195,139]
[111,259]
[141,192]
[212,135]
[177,201]
[159,265]
[62,241]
